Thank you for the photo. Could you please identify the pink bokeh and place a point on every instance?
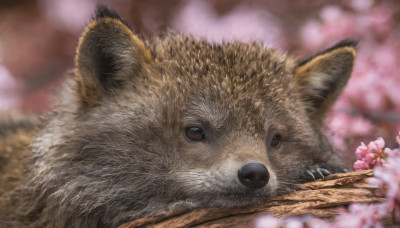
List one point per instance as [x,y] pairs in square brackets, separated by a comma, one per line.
[8,90]
[243,23]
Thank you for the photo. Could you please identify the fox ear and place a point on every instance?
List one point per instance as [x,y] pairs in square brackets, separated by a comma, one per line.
[322,78]
[108,55]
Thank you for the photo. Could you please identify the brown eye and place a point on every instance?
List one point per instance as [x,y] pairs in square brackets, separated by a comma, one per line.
[195,133]
[276,141]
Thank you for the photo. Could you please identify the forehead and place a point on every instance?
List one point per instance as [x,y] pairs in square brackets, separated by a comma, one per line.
[230,80]
[233,68]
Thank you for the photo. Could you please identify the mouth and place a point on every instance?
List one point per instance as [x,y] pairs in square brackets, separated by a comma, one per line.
[234,199]
[247,194]
[239,201]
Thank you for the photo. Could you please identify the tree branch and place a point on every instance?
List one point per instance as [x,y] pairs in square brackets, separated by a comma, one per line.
[320,199]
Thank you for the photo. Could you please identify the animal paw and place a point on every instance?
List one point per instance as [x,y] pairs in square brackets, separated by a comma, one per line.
[316,173]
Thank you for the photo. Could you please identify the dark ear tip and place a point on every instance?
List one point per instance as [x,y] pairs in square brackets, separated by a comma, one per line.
[341,44]
[103,11]
[345,43]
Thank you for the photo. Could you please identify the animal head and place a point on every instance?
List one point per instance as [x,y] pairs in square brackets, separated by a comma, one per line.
[144,124]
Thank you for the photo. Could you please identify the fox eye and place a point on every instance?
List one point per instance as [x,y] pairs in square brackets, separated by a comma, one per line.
[195,133]
[276,141]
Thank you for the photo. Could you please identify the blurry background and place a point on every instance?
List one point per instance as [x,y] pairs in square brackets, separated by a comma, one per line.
[38,40]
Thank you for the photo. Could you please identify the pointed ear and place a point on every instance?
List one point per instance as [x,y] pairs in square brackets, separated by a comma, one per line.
[322,78]
[108,55]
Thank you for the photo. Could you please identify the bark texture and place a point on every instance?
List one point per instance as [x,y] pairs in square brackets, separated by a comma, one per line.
[320,199]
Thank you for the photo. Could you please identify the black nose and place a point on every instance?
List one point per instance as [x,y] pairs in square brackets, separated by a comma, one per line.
[253,175]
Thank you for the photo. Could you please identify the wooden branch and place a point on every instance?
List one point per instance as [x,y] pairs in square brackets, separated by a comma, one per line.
[320,199]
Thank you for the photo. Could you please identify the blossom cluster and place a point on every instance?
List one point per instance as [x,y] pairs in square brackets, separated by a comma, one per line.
[374,154]
[357,216]
[385,163]
[370,156]
[388,176]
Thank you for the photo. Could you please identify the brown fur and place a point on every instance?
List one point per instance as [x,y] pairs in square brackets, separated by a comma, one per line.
[114,147]
[15,140]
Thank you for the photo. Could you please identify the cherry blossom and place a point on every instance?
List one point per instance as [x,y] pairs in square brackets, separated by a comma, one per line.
[358,215]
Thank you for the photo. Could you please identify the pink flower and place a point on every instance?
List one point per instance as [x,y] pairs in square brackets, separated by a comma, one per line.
[294,223]
[389,176]
[360,215]
[360,165]
[377,144]
[268,221]
[346,220]
[318,223]
[369,156]
[361,151]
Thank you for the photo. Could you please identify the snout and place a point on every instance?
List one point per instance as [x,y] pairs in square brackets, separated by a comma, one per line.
[253,175]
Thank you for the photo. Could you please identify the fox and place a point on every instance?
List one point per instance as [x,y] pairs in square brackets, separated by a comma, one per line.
[142,127]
